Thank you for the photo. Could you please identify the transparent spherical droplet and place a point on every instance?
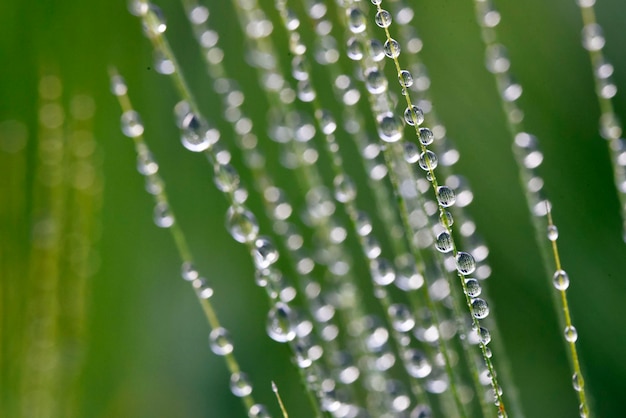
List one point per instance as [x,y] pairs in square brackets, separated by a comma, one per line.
[163,217]
[376,50]
[426,136]
[375,81]
[264,254]
[354,49]
[481,309]
[195,134]
[154,24]
[382,272]
[571,335]
[226,178]
[188,271]
[220,342]
[428,161]
[389,127]
[202,288]
[446,219]
[405,78]
[163,64]
[345,190]
[421,411]
[327,122]
[132,126]
[258,411]
[198,15]
[118,85]
[553,233]
[383,18]
[484,336]
[443,242]
[411,152]
[280,323]
[465,263]
[392,48]
[376,2]
[577,382]
[363,224]
[445,196]
[560,280]
[497,59]
[472,288]
[146,164]
[586,3]
[241,224]
[593,38]
[356,20]
[416,364]
[240,384]
[401,317]
[413,115]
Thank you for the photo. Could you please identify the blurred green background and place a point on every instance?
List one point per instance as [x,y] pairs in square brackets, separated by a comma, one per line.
[148,352]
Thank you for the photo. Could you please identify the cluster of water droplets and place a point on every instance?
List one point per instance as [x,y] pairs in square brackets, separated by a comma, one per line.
[611,128]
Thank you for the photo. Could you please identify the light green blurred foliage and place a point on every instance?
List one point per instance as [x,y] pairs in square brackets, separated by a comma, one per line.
[147,342]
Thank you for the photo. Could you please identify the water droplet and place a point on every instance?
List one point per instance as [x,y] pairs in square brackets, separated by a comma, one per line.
[426,136]
[363,224]
[240,384]
[188,271]
[146,164]
[445,218]
[571,335]
[163,64]
[280,320]
[586,3]
[241,224]
[202,287]
[258,411]
[154,22]
[226,178]
[414,115]
[163,217]
[382,272]
[483,335]
[375,81]
[593,38]
[356,20]
[560,280]
[401,317]
[355,49]
[132,126]
[326,121]
[465,263]
[553,233]
[198,15]
[118,85]
[345,190]
[376,50]
[195,135]
[405,78]
[389,127]
[392,48]
[444,242]
[416,364]
[577,382]
[264,254]
[481,309]
[421,411]
[497,59]
[428,161]
[445,196]
[220,342]
[472,288]
[411,152]
[383,18]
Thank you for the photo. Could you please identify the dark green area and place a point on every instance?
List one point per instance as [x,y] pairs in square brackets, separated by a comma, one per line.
[148,352]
